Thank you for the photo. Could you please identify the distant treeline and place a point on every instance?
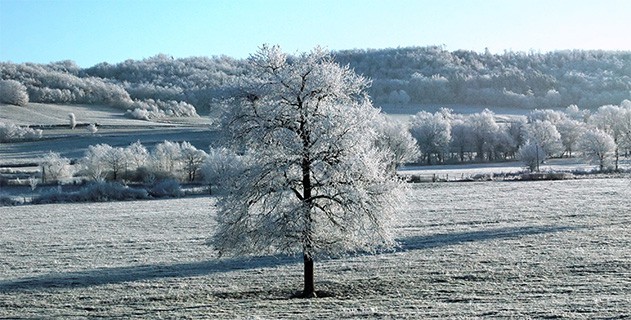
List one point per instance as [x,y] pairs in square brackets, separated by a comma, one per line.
[164,86]
[588,79]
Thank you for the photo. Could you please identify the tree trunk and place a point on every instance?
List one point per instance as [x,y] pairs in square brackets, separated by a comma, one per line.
[309,290]
[617,157]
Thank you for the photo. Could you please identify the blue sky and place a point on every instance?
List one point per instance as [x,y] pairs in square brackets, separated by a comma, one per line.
[93,31]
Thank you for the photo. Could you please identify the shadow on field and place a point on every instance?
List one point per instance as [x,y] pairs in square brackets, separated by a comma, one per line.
[115,275]
[447,239]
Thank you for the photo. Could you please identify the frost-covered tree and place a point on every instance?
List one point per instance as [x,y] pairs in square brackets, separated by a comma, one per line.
[625,127]
[72,120]
[613,120]
[552,116]
[597,146]
[92,128]
[546,135]
[192,159]
[570,131]
[575,113]
[103,160]
[93,162]
[531,154]
[461,137]
[484,130]
[399,97]
[117,162]
[55,168]
[395,140]
[315,185]
[219,164]
[505,144]
[166,159]
[137,154]
[432,133]
[13,92]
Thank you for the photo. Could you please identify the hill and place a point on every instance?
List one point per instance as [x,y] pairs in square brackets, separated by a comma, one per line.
[162,86]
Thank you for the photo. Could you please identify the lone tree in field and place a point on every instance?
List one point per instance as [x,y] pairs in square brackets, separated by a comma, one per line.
[314,183]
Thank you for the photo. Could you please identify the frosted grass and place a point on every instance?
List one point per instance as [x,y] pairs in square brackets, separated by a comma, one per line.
[550,249]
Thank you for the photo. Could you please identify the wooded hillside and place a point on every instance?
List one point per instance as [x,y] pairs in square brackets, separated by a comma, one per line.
[163,86]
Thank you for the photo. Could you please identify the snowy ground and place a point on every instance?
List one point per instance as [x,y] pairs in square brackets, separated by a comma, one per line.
[550,249]
[114,128]
[465,171]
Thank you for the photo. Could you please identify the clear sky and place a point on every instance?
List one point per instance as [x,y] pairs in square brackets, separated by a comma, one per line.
[93,31]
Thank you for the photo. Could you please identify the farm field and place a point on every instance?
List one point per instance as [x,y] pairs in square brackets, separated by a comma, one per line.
[549,249]
[114,128]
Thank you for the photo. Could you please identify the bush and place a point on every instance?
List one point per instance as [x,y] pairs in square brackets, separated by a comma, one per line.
[13,92]
[10,132]
[166,188]
[152,109]
[6,200]
[96,192]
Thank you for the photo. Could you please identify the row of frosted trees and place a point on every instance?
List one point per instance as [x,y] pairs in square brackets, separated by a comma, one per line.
[601,136]
[134,163]
[183,162]
[441,137]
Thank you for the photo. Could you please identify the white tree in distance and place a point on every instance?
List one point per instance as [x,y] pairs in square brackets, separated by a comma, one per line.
[597,146]
[396,141]
[433,134]
[72,120]
[192,159]
[56,168]
[531,155]
[315,184]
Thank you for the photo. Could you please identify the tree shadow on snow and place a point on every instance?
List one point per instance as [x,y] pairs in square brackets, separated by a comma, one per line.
[114,275]
[447,239]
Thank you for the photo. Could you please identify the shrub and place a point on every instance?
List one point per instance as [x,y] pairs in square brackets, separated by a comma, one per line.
[151,109]
[6,200]
[10,132]
[95,192]
[166,188]
[13,92]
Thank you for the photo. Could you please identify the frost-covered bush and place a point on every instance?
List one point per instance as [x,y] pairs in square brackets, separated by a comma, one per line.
[6,201]
[56,168]
[166,188]
[72,120]
[95,192]
[13,92]
[152,109]
[10,132]
[92,128]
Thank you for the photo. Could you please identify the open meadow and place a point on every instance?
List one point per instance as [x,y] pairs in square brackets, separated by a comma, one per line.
[549,249]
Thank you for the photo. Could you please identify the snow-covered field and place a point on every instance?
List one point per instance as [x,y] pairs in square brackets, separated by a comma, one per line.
[464,171]
[550,249]
[114,128]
